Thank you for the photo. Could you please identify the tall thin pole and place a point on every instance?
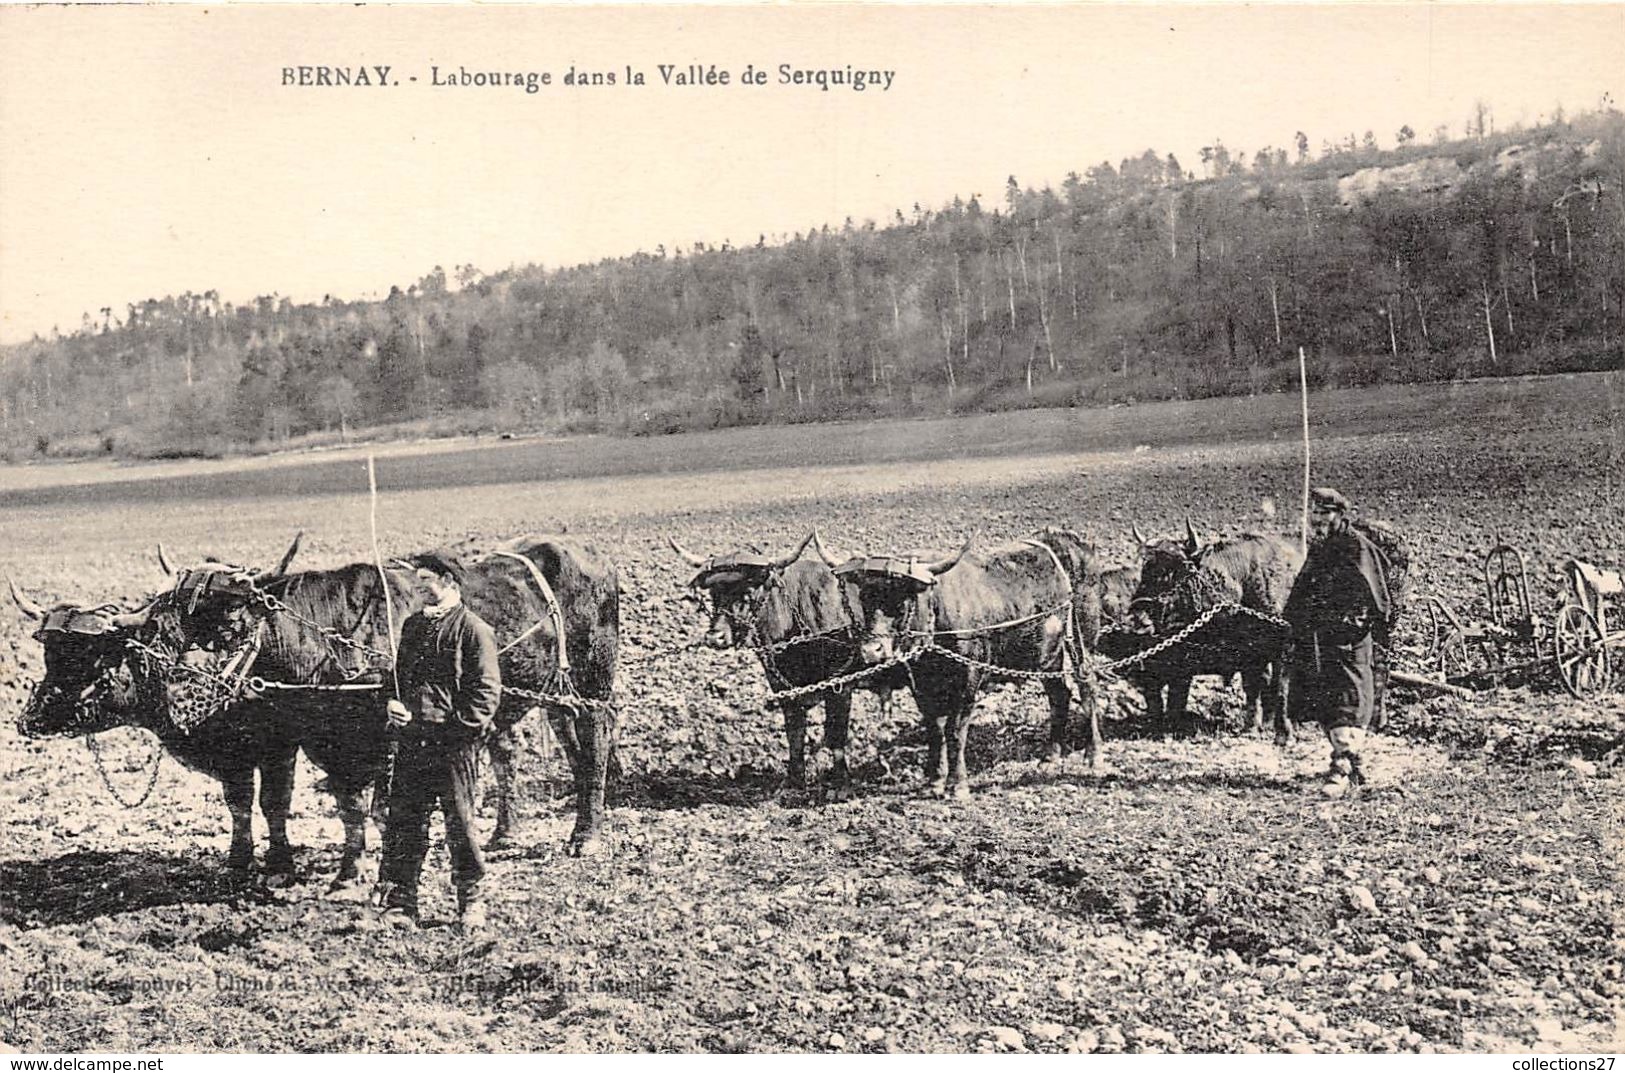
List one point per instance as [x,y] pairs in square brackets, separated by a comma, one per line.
[383,579]
[1303,395]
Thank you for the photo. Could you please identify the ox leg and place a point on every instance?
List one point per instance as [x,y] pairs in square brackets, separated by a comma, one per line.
[276,797]
[837,730]
[1253,683]
[1060,703]
[935,718]
[353,814]
[239,792]
[1089,704]
[504,748]
[593,733]
[795,736]
[1151,690]
[1179,699]
[564,731]
[1279,699]
[959,725]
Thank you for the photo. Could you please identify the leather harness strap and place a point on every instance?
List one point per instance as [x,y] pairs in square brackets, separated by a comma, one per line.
[1066,580]
[553,610]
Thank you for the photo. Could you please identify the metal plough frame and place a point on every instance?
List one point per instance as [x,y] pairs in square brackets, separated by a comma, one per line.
[1517,643]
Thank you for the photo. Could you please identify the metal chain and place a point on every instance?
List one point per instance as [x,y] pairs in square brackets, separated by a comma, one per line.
[1112,668]
[152,778]
[847,679]
[271,602]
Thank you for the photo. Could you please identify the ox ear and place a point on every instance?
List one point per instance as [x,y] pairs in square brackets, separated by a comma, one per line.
[1192,545]
[287,558]
[942,566]
[163,563]
[823,552]
[784,561]
[687,556]
[24,604]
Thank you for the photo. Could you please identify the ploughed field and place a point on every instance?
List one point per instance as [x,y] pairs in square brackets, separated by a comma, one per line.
[1194,895]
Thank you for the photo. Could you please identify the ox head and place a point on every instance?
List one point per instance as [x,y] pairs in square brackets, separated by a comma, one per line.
[1164,566]
[89,683]
[888,596]
[738,586]
[215,621]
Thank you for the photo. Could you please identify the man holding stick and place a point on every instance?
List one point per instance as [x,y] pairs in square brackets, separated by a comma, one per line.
[1339,611]
[450,686]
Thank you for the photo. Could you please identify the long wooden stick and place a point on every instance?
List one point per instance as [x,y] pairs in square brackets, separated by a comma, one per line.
[1429,684]
[1303,394]
[383,578]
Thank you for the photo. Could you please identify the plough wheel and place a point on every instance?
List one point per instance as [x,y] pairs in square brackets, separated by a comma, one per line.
[1581,655]
[1447,648]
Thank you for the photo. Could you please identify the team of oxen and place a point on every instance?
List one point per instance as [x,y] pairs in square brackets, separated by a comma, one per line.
[237,670]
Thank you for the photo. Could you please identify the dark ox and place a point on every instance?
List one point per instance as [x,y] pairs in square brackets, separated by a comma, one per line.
[789,611]
[95,681]
[1179,581]
[218,621]
[1117,588]
[345,732]
[1016,606]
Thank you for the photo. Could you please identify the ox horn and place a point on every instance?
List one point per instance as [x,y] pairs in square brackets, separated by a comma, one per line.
[163,563]
[687,556]
[823,552]
[133,619]
[24,604]
[781,563]
[1139,537]
[1192,545]
[287,558]
[942,566]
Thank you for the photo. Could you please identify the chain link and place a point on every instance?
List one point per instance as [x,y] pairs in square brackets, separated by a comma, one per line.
[847,679]
[101,769]
[1113,668]
[271,602]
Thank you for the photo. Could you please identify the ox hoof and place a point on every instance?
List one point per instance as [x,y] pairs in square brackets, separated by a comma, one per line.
[240,862]
[587,845]
[279,862]
[349,890]
[1283,740]
[961,792]
[935,788]
[837,792]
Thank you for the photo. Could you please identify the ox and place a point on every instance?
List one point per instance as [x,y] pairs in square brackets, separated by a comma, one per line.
[553,603]
[1179,581]
[1117,588]
[94,681]
[1017,606]
[789,611]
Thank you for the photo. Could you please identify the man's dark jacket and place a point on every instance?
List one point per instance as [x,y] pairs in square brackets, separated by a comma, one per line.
[448,670]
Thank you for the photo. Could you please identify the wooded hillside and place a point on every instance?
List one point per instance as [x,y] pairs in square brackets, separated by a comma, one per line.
[1490,255]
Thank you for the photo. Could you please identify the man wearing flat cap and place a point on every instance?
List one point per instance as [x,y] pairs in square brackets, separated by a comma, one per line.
[449,689]
[1339,610]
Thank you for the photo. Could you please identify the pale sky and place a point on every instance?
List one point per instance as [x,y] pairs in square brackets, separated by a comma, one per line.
[146,151]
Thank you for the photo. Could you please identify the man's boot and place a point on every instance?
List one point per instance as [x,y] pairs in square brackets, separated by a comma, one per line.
[470,910]
[1339,778]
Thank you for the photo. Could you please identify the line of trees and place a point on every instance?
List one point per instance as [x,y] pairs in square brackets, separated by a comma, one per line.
[1494,254]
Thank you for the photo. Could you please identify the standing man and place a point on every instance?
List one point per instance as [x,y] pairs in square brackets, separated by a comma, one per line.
[1338,607]
[450,686]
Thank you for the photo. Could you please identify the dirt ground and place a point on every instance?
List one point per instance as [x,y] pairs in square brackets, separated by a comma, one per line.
[1195,894]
